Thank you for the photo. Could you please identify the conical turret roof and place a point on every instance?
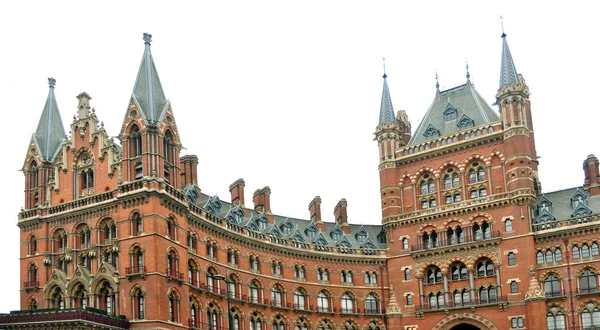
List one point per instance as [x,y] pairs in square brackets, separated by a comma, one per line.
[50,132]
[508,72]
[386,111]
[147,92]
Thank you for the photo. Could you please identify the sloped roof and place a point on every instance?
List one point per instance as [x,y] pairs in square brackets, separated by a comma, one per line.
[466,100]
[50,133]
[300,226]
[508,71]
[561,202]
[147,92]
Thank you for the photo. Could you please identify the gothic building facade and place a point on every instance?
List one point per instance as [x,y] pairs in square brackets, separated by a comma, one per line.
[121,231]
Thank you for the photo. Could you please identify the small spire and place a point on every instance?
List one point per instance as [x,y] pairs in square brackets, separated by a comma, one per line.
[51,82]
[437,82]
[508,71]
[386,110]
[467,67]
[502,25]
[147,38]
[384,75]
[50,132]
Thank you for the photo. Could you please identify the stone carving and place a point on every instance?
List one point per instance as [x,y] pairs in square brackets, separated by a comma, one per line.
[392,307]
[534,292]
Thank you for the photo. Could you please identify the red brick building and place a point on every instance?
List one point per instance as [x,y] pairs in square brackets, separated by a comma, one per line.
[467,240]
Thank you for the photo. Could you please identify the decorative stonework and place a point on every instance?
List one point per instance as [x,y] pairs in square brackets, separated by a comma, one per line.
[392,307]
[534,292]
[464,318]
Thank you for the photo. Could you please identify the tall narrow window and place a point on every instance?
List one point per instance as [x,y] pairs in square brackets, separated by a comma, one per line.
[136,142]
[508,225]
[511,259]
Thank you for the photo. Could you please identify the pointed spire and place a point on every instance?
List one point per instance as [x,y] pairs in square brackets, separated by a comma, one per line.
[467,67]
[386,111]
[508,72]
[147,92]
[437,82]
[50,132]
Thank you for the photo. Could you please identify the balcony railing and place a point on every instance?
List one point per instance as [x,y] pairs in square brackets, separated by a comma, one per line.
[135,270]
[443,241]
[548,225]
[41,316]
[30,284]
[174,274]
[453,304]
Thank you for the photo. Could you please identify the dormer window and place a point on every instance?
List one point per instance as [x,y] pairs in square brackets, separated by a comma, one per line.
[578,198]
[336,235]
[286,230]
[465,122]
[361,237]
[545,206]
[311,232]
[450,113]
[431,132]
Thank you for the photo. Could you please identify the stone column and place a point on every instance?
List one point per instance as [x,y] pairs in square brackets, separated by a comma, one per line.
[446,296]
[421,290]
[498,283]
[471,284]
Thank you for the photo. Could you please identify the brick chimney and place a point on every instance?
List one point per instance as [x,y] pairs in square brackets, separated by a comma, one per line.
[189,169]
[315,212]
[237,192]
[590,169]
[340,213]
[262,201]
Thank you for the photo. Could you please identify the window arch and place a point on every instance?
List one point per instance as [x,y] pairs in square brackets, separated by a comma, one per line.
[590,316]
[278,322]
[434,275]
[461,297]
[300,272]
[350,325]
[32,245]
[485,267]
[107,298]
[588,282]
[300,299]
[256,321]
[137,226]
[436,300]
[323,301]
[236,318]
[136,141]
[370,277]
[325,325]
[277,295]
[476,173]
[172,229]
[254,263]
[371,304]
[136,259]
[451,179]
[539,256]
[32,304]
[487,295]
[80,298]
[347,302]
[576,253]
[552,286]
[195,313]
[193,273]
[32,276]
[56,298]
[346,276]
[323,275]
[173,264]
[483,231]
[455,235]
[139,304]
[555,319]
[173,298]
[430,240]
[212,316]
[458,271]
[254,291]
[301,324]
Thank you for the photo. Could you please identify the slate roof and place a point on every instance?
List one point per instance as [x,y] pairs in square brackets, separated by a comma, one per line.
[561,204]
[147,91]
[299,226]
[469,106]
[386,110]
[508,72]
[50,133]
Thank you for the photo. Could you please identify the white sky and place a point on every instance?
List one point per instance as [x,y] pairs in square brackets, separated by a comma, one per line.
[286,94]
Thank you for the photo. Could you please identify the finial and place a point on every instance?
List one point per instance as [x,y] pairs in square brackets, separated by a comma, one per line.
[384,75]
[502,25]
[147,38]
[51,82]
[467,67]
[437,83]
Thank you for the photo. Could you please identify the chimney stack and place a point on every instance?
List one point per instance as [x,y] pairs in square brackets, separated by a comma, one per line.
[590,169]
[262,201]
[189,172]
[340,213]
[315,212]
[237,192]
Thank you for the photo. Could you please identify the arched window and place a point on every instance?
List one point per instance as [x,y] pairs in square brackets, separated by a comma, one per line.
[172,264]
[299,272]
[301,324]
[236,323]
[558,256]
[594,249]
[32,304]
[482,231]
[409,299]
[32,276]
[405,243]
[193,273]
[138,227]
[514,287]
[136,141]
[552,286]
[210,279]
[194,313]
[253,291]
[256,322]
[588,282]
[436,300]
[232,257]
[576,254]
[107,299]
[585,251]
[32,246]
[80,298]
[455,236]
[139,304]
[322,275]
[212,317]
[350,325]
[347,303]
[325,325]
[434,275]
[371,305]
[485,267]
[323,302]
[56,299]
[508,225]
[458,271]
[487,295]
[555,319]
[277,296]
[254,264]
[278,323]
[539,257]
[590,316]
[461,298]
[406,274]
[277,268]
[173,308]
[299,299]
[430,240]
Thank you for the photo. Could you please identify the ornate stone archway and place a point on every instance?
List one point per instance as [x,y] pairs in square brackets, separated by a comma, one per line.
[453,320]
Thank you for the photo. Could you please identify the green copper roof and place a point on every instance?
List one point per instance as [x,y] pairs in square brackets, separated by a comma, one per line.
[508,72]
[50,132]
[147,92]
[452,111]
[386,111]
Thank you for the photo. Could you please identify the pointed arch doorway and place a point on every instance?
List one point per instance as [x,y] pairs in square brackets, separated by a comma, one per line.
[464,321]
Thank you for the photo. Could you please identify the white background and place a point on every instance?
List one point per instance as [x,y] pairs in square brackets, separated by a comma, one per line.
[286,94]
